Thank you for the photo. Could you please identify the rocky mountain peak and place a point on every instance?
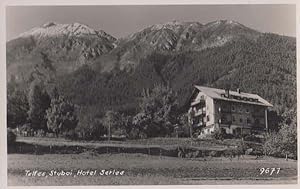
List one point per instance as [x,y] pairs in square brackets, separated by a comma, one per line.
[53,29]
[49,24]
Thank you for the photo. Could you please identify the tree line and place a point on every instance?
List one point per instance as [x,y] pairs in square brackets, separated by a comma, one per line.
[42,111]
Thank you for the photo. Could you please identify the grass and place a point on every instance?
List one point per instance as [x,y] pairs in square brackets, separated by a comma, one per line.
[166,142]
[145,169]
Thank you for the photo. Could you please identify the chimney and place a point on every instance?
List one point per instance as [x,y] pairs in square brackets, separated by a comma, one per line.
[227,87]
[238,90]
[227,92]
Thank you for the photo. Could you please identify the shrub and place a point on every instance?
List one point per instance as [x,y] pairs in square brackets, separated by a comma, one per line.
[252,138]
[230,153]
[41,133]
[90,128]
[219,135]
[282,143]
[71,135]
[134,133]
[213,153]
[11,137]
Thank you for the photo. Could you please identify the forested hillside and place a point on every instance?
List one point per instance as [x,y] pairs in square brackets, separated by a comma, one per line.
[266,66]
[177,55]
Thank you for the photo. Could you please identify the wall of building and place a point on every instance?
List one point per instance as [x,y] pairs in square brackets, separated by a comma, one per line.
[210,112]
[209,109]
[233,117]
[239,114]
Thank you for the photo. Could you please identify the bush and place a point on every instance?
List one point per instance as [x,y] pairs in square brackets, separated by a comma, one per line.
[219,135]
[134,133]
[41,133]
[213,153]
[11,137]
[282,143]
[90,127]
[71,135]
[230,153]
[252,138]
[25,127]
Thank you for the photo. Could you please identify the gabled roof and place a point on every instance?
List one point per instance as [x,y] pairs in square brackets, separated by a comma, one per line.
[242,97]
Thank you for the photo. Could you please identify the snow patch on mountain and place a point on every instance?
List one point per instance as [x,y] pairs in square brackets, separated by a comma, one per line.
[52,29]
[174,26]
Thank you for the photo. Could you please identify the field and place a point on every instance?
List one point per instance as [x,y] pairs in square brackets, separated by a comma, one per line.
[170,142]
[146,169]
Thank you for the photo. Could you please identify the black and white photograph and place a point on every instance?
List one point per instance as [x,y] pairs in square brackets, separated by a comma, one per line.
[151,94]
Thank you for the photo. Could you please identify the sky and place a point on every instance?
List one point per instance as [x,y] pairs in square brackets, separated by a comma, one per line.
[122,20]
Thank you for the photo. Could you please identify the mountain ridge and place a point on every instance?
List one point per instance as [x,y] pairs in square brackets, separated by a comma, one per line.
[178,36]
[179,54]
[68,46]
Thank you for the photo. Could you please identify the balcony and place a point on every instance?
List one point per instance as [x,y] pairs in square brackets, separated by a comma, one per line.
[199,103]
[200,112]
[258,114]
[225,121]
[258,126]
[200,124]
[224,110]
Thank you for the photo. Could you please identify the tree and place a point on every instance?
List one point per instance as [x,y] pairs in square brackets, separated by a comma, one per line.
[190,121]
[284,142]
[127,123]
[142,123]
[288,143]
[61,116]
[159,110]
[39,101]
[17,108]
[90,127]
[112,121]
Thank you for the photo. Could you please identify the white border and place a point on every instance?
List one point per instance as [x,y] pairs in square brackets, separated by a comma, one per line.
[3,152]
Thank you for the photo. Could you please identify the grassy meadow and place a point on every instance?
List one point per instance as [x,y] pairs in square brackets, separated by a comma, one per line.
[144,169]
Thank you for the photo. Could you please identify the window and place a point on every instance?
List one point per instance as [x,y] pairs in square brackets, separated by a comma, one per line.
[247,110]
[240,108]
[241,120]
[233,118]
[232,108]
[248,121]
[256,122]
[207,118]
[224,119]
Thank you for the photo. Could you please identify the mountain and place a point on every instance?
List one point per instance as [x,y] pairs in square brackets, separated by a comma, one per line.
[68,46]
[178,54]
[177,36]
[190,35]
[255,62]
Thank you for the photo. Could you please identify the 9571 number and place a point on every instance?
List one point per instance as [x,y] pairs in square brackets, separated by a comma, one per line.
[269,171]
